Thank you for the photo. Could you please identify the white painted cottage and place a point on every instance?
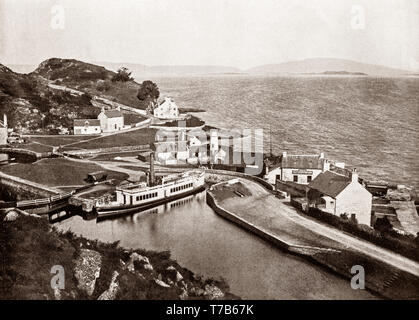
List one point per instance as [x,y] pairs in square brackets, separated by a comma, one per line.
[340,194]
[111,120]
[166,110]
[86,126]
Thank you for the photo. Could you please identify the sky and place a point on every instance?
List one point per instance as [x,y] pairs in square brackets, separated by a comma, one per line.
[239,33]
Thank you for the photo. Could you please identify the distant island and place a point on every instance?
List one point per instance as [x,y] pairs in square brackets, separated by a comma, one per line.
[328,66]
[342,73]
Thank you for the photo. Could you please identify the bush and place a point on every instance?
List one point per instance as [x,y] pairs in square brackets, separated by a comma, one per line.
[404,245]
[123,75]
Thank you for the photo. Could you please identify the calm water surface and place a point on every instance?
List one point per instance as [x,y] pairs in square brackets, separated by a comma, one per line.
[369,123]
[211,246]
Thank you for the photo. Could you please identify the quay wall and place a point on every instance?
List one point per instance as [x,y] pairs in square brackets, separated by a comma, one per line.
[212,202]
[23,154]
[21,188]
[88,152]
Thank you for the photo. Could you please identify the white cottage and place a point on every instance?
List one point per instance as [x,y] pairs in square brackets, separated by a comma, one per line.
[166,110]
[300,169]
[111,120]
[3,130]
[340,194]
[86,126]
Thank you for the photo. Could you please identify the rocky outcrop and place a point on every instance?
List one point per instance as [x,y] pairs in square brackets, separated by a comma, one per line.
[213,292]
[173,274]
[136,258]
[402,193]
[113,289]
[11,216]
[87,269]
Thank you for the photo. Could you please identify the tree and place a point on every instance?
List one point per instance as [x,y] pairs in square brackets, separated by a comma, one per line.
[123,74]
[148,93]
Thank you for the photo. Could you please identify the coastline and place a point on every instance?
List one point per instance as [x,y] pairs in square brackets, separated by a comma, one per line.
[382,279]
[93,269]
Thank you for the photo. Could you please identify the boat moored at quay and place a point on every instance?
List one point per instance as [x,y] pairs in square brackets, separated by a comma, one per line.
[133,197]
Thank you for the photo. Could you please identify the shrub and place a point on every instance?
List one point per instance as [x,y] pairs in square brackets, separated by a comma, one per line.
[401,244]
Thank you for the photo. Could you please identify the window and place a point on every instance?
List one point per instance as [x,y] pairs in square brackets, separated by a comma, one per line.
[308,178]
[295,179]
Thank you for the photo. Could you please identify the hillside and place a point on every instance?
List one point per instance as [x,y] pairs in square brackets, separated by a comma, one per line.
[321,65]
[140,70]
[32,105]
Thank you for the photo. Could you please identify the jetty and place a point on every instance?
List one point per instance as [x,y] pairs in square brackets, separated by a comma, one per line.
[251,206]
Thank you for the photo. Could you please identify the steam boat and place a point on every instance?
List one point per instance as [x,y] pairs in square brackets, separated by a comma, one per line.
[134,197]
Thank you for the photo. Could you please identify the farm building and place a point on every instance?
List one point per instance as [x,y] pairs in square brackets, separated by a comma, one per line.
[86,126]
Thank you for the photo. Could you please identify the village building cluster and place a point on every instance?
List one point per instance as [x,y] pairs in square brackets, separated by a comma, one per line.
[107,121]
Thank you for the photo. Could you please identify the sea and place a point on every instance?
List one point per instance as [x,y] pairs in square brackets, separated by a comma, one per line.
[370,123]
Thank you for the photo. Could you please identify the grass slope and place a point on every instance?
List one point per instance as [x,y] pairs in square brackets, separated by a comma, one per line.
[58,172]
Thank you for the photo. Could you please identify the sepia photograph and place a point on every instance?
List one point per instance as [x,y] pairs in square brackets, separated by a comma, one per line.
[226,151]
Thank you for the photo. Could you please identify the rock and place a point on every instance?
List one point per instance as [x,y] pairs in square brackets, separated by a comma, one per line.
[57,294]
[11,216]
[213,292]
[174,274]
[138,257]
[184,295]
[402,194]
[113,289]
[162,283]
[87,269]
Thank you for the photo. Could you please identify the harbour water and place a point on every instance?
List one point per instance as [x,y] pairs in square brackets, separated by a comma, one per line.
[208,245]
[367,122]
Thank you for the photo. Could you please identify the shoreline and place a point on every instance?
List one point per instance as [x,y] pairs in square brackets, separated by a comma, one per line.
[381,278]
[93,269]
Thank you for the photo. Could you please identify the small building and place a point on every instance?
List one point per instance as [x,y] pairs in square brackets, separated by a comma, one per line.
[3,130]
[340,194]
[97,176]
[86,126]
[166,110]
[301,169]
[111,120]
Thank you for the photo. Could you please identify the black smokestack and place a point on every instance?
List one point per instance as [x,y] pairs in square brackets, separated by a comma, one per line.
[152,179]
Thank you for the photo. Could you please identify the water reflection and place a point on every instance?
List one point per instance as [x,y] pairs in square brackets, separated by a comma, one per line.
[209,245]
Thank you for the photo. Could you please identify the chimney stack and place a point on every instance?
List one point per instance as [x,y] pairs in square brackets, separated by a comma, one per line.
[151,183]
[354,175]
[5,120]
[322,155]
[284,154]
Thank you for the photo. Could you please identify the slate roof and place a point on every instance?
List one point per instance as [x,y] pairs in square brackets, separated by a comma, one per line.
[113,113]
[330,183]
[82,122]
[302,162]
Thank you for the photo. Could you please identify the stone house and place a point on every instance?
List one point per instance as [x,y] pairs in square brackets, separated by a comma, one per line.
[111,120]
[166,110]
[340,194]
[300,169]
[86,126]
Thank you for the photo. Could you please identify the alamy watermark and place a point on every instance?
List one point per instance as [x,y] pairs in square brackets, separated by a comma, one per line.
[58,280]
[240,148]
[358,280]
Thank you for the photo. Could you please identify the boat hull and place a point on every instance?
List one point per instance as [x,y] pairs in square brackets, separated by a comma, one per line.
[113,211]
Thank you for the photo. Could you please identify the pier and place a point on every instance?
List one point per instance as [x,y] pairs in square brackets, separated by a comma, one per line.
[250,206]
